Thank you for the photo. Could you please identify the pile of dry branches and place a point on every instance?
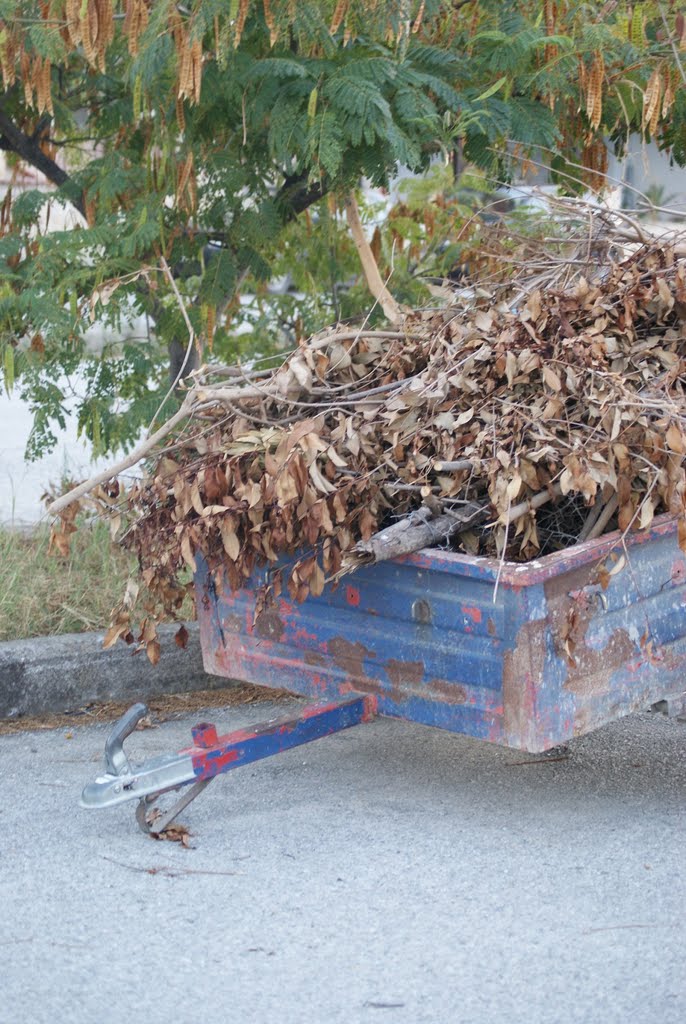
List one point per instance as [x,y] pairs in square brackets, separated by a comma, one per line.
[511,425]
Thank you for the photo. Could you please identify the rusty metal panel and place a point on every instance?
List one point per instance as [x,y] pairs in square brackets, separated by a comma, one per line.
[560,646]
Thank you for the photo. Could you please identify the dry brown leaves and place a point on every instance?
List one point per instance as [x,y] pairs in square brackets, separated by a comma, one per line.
[555,406]
[174,833]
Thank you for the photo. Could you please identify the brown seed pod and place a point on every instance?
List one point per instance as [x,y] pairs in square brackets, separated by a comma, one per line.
[651,101]
[594,91]
[25,65]
[196,70]
[338,16]
[44,83]
[185,87]
[240,21]
[420,16]
[668,96]
[89,32]
[8,52]
[180,114]
[105,29]
[72,13]
[271,22]
[186,172]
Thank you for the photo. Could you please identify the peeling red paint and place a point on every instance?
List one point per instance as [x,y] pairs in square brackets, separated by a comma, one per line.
[302,636]
[538,668]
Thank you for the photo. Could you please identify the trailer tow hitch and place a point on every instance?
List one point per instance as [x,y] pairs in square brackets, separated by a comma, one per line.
[209,756]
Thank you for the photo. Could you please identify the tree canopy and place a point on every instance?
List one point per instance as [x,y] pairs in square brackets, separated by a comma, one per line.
[191,137]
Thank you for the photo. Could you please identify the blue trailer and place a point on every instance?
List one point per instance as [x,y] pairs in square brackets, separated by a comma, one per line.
[524,655]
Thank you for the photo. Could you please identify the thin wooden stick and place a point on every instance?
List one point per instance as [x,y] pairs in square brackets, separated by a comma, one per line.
[590,521]
[191,338]
[604,518]
[371,270]
[119,467]
[456,466]
[517,511]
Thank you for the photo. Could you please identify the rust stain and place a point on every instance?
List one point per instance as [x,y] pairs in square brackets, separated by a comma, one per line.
[403,672]
[315,658]
[268,625]
[490,626]
[451,693]
[593,669]
[349,656]
[522,675]
[589,669]
[233,624]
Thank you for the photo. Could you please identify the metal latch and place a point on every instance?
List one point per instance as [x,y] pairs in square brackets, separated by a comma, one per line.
[209,756]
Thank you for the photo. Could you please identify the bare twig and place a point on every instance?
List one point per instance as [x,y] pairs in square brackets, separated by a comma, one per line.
[191,337]
[591,520]
[517,511]
[606,515]
[371,271]
[670,37]
[457,466]
[119,467]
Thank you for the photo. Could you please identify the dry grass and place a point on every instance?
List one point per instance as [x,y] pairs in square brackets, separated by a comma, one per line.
[44,594]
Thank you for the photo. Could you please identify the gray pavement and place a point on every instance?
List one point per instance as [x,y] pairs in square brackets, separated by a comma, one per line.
[391,873]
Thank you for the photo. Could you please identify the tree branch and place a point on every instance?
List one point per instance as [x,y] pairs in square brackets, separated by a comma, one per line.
[295,195]
[375,282]
[28,148]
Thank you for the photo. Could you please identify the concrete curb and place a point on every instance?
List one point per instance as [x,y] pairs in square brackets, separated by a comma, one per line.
[62,673]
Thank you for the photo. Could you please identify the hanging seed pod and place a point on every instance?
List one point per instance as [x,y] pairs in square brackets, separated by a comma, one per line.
[196,70]
[26,79]
[420,16]
[186,189]
[594,159]
[637,33]
[185,86]
[338,16]
[7,57]
[180,115]
[271,22]
[89,207]
[105,30]
[43,81]
[73,15]
[89,32]
[243,7]
[651,102]
[668,97]
[594,91]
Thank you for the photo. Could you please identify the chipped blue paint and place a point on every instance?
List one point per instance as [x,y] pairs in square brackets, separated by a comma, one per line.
[566,643]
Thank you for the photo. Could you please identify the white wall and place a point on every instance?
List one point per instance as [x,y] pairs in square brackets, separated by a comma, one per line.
[645,166]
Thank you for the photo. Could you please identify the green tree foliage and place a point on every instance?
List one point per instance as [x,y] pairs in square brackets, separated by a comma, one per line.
[191,138]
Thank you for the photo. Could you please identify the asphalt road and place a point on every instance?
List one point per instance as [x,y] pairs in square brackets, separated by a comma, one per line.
[392,873]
